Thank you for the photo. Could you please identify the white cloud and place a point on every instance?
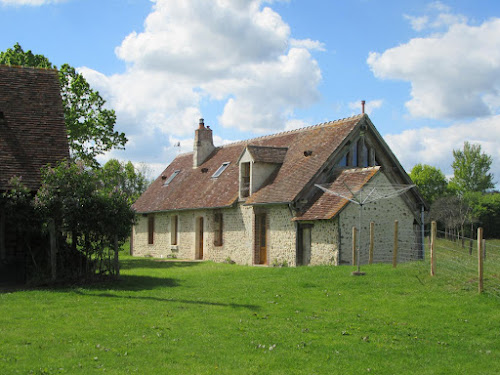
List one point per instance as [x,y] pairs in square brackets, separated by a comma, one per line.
[236,52]
[453,75]
[435,146]
[312,45]
[418,23]
[370,105]
[439,6]
[29,2]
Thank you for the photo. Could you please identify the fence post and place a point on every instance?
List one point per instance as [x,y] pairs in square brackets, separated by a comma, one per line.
[395,249]
[484,249]
[354,241]
[372,240]
[433,247]
[480,259]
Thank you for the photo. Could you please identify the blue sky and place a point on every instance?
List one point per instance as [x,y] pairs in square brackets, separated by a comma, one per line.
[429,70]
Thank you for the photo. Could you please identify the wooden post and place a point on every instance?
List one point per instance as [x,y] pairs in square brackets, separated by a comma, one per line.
[433,247]
[484,249]
[372,240]
[395,249]
[53,250]
[354,242]
[480,259]
[3,249]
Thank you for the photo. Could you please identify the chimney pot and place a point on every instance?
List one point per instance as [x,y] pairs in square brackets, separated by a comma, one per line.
[201,124]
[363,107]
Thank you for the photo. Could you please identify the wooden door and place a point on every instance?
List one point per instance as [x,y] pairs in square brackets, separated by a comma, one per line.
[262,238]
[200,238]
[304,245]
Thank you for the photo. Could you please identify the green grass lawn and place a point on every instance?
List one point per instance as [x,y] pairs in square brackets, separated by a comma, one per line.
[207,318]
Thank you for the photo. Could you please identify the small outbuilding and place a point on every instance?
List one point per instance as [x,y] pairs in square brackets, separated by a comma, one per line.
[32,135]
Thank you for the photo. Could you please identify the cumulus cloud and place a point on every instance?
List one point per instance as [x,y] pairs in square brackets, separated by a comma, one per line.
[434,146]
[453,75]
[308,44]
[238,53]
[29,2]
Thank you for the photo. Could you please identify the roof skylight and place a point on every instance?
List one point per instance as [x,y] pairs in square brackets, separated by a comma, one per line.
[172,176]
[221,169]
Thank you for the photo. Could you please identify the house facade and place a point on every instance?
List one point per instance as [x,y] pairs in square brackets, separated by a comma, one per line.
[32,135]
[257,202]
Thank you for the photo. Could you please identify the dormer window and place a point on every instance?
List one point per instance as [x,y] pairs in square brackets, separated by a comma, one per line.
[221,169]
[172,176]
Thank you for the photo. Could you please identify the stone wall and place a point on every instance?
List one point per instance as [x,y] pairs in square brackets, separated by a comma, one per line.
[281,236]
[238,235]
[324,242]
[331,240]
[383,213]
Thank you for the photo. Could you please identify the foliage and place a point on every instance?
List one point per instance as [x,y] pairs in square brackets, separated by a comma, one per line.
[206,318]
[471,170]
[90,125]
[430,181]
[71,196]
[486,209]
[452,211]
[17,57]
[123,177]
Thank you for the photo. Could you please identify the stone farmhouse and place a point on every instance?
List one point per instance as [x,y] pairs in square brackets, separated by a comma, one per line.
[32,135]
[255,202]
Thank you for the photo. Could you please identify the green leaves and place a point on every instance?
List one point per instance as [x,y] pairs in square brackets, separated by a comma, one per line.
[430,181]
[18,57]
[471,170]
[90,125]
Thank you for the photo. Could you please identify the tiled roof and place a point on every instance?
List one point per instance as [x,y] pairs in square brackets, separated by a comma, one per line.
[327,205]
[194,188]
[268,154]
[32,128]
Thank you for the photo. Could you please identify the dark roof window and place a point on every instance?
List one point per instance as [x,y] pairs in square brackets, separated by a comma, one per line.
[221,169]
[172,176]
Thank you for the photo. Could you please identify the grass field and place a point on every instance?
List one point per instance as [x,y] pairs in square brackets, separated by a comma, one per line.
[206,318]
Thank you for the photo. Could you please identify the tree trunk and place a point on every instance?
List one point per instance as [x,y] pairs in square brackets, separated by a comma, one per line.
[53,250]
[117,263]
[3,249]
[471,238]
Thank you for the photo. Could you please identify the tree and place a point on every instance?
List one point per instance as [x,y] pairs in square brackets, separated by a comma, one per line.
[123,177]
[471,170]
[72,200]
[90,125]
[430,181]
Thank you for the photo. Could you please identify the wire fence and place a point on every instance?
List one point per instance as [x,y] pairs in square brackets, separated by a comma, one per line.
[456,259]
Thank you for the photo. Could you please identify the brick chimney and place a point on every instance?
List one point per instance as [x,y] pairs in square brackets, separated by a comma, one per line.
[203,144]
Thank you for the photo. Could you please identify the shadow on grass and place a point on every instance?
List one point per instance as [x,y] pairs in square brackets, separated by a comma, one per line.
[131,263]
[89,293]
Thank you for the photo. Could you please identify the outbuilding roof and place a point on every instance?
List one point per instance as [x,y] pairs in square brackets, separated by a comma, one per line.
[327,206]
[32,129]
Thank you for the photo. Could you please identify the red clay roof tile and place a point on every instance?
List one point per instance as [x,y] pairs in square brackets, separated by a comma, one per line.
[194,188]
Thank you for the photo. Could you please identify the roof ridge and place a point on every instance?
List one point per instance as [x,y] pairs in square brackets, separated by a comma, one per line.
[37,68]
[299,130]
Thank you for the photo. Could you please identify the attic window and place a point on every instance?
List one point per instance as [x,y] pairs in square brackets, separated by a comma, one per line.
[221,169]
[172,176]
